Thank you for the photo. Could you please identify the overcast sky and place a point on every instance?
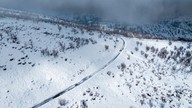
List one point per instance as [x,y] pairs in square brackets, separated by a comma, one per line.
[131,11]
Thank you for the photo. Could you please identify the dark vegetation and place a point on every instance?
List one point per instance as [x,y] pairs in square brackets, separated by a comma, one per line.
[91,24]
[162,63]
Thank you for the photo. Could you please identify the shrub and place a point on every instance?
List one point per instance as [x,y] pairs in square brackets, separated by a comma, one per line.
[146,55]
[163,53]
[83,104]
[92,41]
[62,46]
[142,52]
[137,43]
[71,46]
[59,27]
[1,36]
[147,48]
[91,33]
[14,37]
[188,46]
[45,52]
[109,73]
[170,43]
[63,102]
[188,54]
[123,66]
[136,48]
[106,47]
[75,31]
[55,53]
[152,49]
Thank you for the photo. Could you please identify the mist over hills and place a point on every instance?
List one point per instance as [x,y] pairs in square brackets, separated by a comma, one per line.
[106,56]
[126,11]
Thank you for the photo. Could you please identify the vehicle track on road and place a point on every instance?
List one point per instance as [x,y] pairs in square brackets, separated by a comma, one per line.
[81,81]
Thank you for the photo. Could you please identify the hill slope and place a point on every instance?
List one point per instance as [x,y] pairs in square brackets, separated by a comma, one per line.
[73,67]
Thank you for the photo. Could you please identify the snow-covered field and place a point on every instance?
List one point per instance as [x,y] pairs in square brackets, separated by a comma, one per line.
[53,66]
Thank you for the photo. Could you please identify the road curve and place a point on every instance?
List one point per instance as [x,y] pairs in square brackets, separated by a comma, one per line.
[82,81]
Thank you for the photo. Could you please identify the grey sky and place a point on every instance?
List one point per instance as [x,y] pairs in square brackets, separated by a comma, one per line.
[131,11]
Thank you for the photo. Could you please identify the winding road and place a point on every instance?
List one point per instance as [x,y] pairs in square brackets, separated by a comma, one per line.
[82,81]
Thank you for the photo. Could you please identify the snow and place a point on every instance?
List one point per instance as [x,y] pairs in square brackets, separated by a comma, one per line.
[172,28]
[132,73]
[123,90]
[49,74]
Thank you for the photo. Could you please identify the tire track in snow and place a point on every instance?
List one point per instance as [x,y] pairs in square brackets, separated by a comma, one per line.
[82,81]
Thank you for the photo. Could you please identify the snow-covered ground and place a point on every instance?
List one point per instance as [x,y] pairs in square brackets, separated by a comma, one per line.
[177,28]
[135,80]
[53,66]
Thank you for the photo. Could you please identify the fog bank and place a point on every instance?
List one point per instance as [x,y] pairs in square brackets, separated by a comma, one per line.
[126,11]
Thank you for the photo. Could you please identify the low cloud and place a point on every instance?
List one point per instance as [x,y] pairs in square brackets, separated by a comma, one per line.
[126,11]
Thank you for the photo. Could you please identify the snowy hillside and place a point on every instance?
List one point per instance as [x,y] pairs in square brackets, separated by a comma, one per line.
[49,65]
[177,28]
